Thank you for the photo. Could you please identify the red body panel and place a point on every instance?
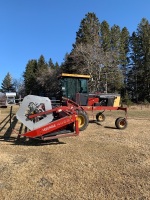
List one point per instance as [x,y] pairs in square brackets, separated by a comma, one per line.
[92,108]
[51,127]
[92,100]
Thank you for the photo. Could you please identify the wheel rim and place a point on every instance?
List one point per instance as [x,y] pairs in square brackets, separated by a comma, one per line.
[122,123]
[100,118]
[81,121]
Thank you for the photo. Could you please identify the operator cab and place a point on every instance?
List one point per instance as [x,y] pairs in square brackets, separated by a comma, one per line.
[75,87]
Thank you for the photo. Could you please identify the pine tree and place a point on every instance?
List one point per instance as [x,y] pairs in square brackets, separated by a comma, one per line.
[30,77]
[41,65]
[88,32]
[124,57]
[105,37]
[87,35]
[110,42]
[132,74]
[124,47]
[144,34]
[115,38]
[140,45]
[51,64]
[56,65]
[7,84]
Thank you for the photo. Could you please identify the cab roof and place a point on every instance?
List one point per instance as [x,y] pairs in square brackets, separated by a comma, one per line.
[75,75]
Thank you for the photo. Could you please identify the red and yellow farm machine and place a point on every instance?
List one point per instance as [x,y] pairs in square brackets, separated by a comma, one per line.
[47,120]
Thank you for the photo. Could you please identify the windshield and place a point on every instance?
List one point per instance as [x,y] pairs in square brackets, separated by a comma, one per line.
[71,86]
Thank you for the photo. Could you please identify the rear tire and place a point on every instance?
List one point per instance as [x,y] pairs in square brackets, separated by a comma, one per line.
[83,120]
[121,123]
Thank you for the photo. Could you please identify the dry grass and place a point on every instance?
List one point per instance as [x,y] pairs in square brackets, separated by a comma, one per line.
[103,163]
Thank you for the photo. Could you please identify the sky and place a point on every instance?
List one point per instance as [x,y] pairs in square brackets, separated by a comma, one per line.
[31,28]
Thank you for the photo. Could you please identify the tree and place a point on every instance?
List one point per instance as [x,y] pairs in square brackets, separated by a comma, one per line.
[7,84]
[42,68]
[48,81]
[86,37]
[19,87]
[88,31]
[132,74]
[115,38]
[51,64]
[140,56]
[33,73]
[124,47]
[94,54]
[56,65]
[41,65]
[30,77]
[124,57]
[105,39]
[144,34]
[89,58]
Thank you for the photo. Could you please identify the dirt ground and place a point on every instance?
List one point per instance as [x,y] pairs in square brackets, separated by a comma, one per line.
[102,163]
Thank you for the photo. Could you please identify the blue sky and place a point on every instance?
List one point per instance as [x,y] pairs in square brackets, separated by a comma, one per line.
[30,28]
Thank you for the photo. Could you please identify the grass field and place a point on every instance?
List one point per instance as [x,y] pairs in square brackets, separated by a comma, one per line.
[102,163]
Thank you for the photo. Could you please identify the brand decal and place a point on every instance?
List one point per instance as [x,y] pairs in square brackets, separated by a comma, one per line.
[49,127]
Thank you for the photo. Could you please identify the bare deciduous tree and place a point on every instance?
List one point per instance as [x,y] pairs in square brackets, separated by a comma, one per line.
[48,80]
[91,59]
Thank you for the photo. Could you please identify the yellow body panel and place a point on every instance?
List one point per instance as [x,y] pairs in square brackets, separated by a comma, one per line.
[76,75]
[117,101]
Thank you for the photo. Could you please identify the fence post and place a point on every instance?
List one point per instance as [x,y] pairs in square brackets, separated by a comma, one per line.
[10,115]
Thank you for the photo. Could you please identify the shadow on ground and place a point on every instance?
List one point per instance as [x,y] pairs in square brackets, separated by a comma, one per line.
[11,127]
[110,127]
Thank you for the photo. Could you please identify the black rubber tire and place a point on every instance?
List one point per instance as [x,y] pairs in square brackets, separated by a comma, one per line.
[100,117]
[121,123]
[83,120]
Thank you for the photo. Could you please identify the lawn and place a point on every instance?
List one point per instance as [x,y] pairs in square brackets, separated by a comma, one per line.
[102,163]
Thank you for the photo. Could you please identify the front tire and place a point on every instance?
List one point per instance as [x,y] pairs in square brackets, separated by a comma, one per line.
[100,117]
[83,120]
